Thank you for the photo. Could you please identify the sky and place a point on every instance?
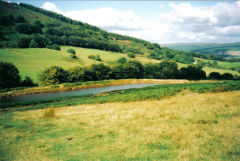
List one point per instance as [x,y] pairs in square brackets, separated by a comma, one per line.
[162,22]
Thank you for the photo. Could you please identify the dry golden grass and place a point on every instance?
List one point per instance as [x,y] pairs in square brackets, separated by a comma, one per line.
[50,112]
[188,126]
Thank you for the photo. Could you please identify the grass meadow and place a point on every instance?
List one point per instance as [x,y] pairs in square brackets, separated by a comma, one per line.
[187,126]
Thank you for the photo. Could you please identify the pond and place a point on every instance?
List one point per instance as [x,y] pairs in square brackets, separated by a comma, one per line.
[80,92]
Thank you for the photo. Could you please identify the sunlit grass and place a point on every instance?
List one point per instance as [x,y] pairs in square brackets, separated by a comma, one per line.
[188,126]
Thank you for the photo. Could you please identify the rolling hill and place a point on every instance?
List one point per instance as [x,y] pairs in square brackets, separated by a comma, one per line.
[208,48]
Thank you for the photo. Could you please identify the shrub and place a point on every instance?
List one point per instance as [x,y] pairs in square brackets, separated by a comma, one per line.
[9,75]
[122,60]
[54,47]
[131,55]
[71,51]
[54,75]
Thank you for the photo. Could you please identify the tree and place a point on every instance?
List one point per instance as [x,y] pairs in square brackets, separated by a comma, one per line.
[27,82]
[102,71]
[54,75]
[139,66]
[124,71]
[9,75]
[214,75]
[151,70]
[20,18]
[4,21]
[168,69]
[81,74]
[24,42]
[192,73]
[33,44]
[24,28]
[227,76]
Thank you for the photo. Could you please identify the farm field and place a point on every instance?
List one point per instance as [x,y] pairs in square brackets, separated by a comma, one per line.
[173,128]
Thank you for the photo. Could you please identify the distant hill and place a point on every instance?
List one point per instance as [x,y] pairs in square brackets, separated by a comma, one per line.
[207,48]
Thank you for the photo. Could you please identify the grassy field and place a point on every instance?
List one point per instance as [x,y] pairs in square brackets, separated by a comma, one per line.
[34,60]
[174,128]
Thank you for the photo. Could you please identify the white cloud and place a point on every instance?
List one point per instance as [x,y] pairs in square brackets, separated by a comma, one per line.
[219,22]
[109,18]
[51,7]
[183,22]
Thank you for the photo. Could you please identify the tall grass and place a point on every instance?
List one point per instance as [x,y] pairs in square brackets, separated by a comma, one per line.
[50,112]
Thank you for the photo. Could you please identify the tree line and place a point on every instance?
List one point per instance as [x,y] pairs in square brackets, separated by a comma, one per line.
[123,70]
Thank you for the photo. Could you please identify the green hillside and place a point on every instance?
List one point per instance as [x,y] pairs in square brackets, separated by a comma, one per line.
[207,48]
[19,21]
[33,60]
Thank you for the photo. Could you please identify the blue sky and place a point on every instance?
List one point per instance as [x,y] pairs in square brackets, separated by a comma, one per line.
[156,21]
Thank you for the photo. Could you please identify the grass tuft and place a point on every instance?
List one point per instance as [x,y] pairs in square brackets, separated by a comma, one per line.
[50,112]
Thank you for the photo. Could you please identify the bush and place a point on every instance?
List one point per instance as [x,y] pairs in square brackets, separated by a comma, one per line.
[131,55]
[54,75]
[54,47]
[9,75]
[71,51]
[122,60]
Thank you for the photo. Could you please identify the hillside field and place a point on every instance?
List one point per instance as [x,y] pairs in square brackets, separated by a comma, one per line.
[34,60]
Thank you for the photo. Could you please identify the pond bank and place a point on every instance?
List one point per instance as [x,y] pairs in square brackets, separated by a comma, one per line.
[90,84]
